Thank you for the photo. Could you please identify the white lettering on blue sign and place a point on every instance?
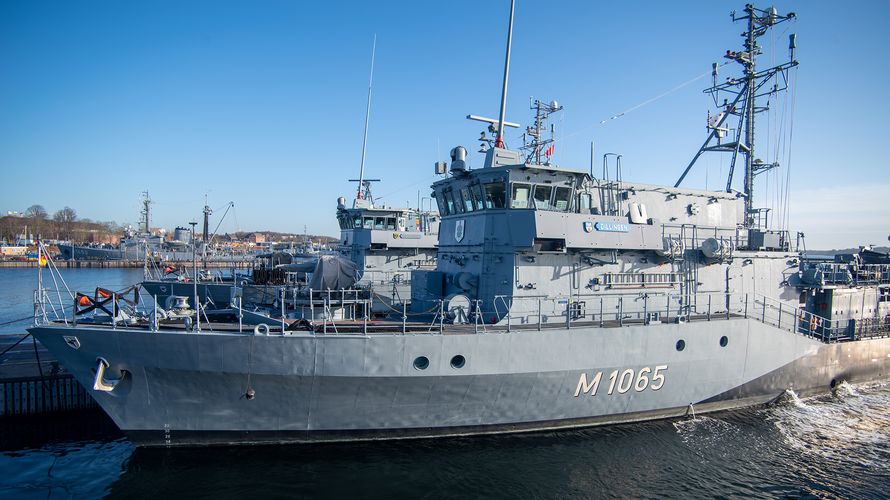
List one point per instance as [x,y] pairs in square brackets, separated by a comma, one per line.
[612,227]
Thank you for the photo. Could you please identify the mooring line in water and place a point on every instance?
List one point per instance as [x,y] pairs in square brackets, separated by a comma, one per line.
[17,320]
[13,345]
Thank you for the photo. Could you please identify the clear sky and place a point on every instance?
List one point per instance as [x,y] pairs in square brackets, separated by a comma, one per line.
[262,103]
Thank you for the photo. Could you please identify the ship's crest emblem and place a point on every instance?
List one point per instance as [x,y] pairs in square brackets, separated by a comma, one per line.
[588,226]
[72,341]
[459,230]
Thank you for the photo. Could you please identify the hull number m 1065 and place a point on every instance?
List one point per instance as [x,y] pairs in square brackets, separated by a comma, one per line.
[621,381]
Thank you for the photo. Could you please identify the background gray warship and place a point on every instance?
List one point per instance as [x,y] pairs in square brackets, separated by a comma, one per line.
[558,300]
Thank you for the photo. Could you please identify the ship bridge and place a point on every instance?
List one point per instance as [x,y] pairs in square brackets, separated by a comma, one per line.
[514,231]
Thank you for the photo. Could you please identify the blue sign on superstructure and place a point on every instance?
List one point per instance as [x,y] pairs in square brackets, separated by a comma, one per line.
[612,227]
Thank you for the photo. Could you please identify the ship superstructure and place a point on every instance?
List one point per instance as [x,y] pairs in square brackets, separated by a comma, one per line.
[386,244]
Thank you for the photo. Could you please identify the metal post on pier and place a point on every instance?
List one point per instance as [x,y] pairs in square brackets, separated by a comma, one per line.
[154,317]
[114,311]
[283,300]
[441,316]
[539,314]
[404,316]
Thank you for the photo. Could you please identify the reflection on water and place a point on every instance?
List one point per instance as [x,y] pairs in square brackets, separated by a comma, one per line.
[833,445]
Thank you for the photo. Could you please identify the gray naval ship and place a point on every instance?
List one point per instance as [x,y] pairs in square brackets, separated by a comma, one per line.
[386,244]
[140,244]
[558,300]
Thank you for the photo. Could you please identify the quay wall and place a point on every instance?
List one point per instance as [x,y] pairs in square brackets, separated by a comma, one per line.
[76,264]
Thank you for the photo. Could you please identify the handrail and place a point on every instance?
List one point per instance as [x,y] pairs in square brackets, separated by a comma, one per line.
[509,312]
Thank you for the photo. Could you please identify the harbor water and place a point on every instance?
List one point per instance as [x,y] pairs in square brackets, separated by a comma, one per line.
[835,445]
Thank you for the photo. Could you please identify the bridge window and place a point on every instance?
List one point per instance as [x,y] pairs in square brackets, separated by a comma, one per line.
[390,224]
[449,202]
[357,222]
[458,203]
[380,223]
[468,201]
[494,195]
[520,195]
[476,192]
[440,200]
[561,198]
[542,197]
[584,201]
[369,223]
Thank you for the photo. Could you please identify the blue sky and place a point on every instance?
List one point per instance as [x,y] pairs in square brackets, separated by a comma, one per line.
[262,103]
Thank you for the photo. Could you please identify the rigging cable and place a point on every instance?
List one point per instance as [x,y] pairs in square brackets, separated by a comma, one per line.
[640,105]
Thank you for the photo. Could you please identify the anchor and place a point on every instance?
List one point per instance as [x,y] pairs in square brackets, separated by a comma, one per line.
[99,382]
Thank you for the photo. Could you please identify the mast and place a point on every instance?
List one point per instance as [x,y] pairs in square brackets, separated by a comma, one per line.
[207,213]
[499,142]
[744,92]
[146,212]
[750,100]
[361,175]
[534,142]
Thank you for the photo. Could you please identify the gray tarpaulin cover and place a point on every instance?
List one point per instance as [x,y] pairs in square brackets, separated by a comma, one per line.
[301,265]
[333,272]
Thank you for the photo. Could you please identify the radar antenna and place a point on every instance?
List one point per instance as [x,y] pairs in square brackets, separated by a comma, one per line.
[743,92]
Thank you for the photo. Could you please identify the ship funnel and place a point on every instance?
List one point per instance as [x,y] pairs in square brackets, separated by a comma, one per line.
[458,159]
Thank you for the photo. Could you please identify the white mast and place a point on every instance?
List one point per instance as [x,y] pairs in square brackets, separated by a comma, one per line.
[361,175]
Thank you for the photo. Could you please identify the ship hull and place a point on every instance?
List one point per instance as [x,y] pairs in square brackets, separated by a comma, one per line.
[190,388]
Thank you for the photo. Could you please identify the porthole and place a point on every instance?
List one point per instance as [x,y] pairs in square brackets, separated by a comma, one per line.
[681,344]
[833,383]
[724,340]
[421,362]
[458,361]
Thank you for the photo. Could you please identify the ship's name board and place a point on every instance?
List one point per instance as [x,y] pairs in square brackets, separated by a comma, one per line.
[612,227]
[621,381]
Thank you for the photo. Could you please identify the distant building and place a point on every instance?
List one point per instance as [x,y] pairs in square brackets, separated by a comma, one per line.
[13,251]
[256,238]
